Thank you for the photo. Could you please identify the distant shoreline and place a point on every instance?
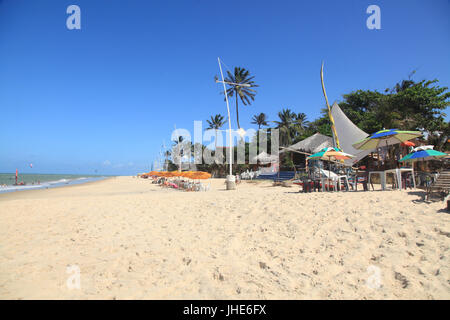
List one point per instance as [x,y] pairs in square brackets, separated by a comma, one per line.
[47,185]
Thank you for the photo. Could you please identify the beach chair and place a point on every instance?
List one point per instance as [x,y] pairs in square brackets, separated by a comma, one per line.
[205,187]
[335,179]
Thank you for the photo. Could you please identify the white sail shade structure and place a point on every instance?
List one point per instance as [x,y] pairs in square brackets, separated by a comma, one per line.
[348,133]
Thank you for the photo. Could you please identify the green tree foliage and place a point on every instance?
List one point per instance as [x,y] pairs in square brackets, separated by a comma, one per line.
[285,125]
[260,120]
[215,124]
[409,105]
[321,125]
[293,126]
[244,93]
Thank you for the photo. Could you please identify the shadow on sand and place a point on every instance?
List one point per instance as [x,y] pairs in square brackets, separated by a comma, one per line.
[422,194]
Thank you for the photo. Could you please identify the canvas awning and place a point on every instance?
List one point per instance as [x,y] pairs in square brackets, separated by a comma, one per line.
[312,144]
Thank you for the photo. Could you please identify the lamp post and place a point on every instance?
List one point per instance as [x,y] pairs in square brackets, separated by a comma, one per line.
[231,180]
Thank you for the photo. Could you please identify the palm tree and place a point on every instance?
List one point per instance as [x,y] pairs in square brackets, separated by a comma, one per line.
[177,148]
[178,140]
[260,120]
[244,93]
[300,121]
[167,154]
[285,125]
[215,124]
[300,125]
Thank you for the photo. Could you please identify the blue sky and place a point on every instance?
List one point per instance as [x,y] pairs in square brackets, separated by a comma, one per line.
[104,98]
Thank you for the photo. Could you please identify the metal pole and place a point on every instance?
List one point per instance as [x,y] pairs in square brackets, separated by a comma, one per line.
[229,118]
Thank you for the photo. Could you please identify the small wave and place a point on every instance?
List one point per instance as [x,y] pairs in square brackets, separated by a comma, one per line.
[25,187]
[48,184]
[58,181]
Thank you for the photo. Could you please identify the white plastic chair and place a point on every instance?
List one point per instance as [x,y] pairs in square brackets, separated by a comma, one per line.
[335,178]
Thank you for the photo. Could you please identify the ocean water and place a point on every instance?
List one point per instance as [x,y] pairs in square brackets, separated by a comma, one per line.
[41,181]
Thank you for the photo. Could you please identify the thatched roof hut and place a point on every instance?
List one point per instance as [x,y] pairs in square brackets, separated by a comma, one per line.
[265,158]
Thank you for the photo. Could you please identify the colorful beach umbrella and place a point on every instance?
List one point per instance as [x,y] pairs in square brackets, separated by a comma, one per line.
[386,137]
[424,154]
[330,154]
[408,144]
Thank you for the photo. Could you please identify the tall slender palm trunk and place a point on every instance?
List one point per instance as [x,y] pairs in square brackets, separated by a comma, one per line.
[215,141]
[216,158]
[237,111]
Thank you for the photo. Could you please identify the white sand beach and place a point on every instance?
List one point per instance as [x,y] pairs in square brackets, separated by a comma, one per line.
[133,240]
